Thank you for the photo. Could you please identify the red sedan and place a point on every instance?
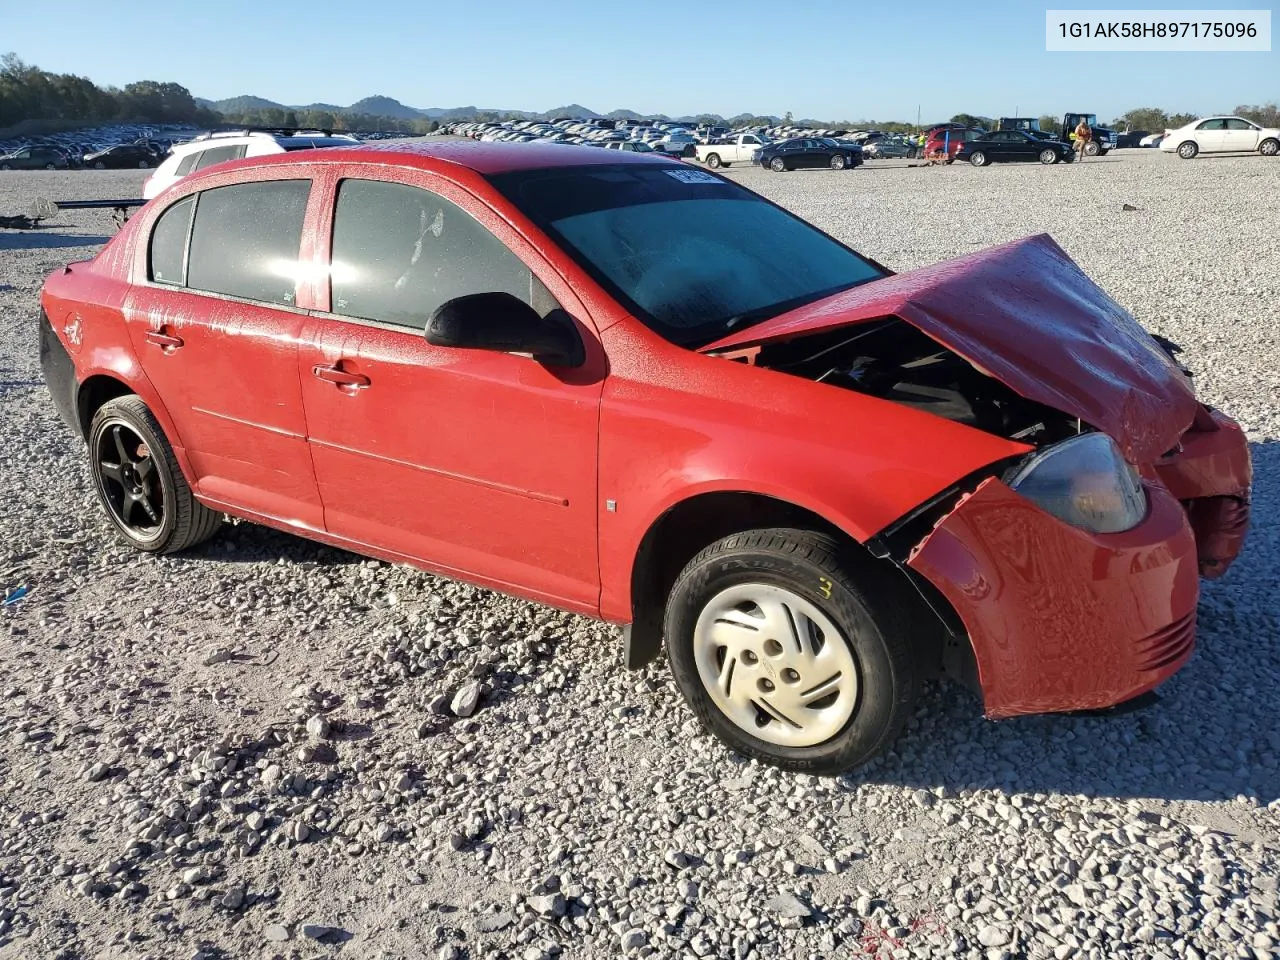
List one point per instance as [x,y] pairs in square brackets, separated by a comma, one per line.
[636,390]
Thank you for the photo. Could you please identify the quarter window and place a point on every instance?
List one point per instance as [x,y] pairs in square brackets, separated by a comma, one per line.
[246,239]
[169,243]
[220,155]
[399,252]
[188,163]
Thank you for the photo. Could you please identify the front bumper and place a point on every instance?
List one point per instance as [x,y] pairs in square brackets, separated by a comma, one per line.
[1061,619]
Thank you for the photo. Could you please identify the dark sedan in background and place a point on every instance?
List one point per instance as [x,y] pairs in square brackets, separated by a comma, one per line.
[33,158]
[121,156]
[810,152]
[1002,146]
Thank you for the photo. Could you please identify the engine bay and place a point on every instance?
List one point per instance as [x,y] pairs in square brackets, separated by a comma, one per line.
[892,360]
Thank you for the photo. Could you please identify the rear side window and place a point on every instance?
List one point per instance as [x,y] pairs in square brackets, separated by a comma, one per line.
[169,243]
[399,252]
[220,155]
[246,238]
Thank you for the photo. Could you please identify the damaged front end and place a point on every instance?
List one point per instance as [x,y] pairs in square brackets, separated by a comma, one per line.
[1077,591]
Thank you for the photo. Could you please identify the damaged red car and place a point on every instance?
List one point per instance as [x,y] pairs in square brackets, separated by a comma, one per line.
[638,391]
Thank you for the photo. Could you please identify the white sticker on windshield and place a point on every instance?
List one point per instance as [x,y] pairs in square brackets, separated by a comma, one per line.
[693,176]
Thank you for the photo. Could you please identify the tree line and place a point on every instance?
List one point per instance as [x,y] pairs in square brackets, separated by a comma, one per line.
[27,92]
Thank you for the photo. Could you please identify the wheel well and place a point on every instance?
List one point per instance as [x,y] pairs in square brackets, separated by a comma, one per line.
[680,533]
[93,393]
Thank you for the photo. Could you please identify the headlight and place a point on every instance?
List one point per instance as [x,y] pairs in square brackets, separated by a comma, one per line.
[1085,482]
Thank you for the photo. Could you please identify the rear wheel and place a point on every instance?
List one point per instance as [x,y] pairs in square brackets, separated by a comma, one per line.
[777,165]
[143,164]
[979,159]
[139,483]
[713,160]
[1269,148]
[50,166]
[782,654]
[1048,156]
[1188,150]
[99,165]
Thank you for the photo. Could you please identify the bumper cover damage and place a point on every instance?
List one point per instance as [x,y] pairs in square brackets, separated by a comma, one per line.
[1061,619]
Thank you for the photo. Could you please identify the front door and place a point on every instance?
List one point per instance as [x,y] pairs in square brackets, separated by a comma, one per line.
[1240,135]
[473,463]
[215,328]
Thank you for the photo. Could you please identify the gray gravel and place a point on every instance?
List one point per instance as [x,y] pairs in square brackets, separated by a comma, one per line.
[267,748]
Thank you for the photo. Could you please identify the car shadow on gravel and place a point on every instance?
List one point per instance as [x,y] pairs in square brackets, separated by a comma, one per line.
[36,240]
[1212,735]
[253,543]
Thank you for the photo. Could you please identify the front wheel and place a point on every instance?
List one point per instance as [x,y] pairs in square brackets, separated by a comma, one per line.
[144,164]
[979,159]
[782,654]
[1048,156]
[1091,148]
[139,483]
[50,166]
[99,165]
[777,165]
[1188,150]
[1269,148]
[837,162]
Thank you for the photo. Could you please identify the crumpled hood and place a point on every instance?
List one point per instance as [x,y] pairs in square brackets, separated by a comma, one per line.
[1027,315]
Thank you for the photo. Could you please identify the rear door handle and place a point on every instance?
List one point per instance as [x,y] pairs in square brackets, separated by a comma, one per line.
[343,378]
[162,339]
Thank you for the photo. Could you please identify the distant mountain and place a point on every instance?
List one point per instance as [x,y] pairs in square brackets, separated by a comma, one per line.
[245,104]
[379,106]
[323,107]
[575,110]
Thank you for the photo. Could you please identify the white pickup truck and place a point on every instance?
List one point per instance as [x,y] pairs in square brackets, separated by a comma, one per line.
[734,150]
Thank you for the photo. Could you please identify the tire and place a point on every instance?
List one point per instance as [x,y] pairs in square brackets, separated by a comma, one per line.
[5,166]
[978,159]
[800,577]
[99,165]
[777,165]
[1048,156]
[1091,148]
[1188,150]
[171,519]
[837,162]
[1269,148]
[144,164]
[50,166]
[713,160]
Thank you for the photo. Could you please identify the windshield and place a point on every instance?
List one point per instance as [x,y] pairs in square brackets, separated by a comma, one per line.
[691,254]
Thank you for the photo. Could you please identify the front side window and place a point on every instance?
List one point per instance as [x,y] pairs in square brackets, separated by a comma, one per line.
[1235,123]
[246,238]
[399,252]
[690,254]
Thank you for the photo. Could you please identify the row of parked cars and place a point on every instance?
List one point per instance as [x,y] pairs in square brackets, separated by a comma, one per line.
[112,147]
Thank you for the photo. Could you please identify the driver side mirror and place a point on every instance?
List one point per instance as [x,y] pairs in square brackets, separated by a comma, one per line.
[506,324]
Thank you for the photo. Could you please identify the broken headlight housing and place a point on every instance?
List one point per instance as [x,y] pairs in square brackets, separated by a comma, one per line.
[1085,482]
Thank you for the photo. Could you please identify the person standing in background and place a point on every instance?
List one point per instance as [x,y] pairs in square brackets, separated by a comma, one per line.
[1082,135]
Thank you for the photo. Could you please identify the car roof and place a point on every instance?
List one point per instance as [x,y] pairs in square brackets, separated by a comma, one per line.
[484,158]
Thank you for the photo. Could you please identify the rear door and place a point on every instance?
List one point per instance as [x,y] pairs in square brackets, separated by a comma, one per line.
[474,463]
[212,318]
[1212,135]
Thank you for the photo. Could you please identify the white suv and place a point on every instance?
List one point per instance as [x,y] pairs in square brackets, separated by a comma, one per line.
[210,148]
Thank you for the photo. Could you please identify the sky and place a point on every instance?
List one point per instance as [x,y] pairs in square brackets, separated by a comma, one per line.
[823,59]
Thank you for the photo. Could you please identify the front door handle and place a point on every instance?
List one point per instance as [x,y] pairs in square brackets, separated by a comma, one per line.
[336,375]
[166,340]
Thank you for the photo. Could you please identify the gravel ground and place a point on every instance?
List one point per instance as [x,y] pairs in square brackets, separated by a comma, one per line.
[254,750]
